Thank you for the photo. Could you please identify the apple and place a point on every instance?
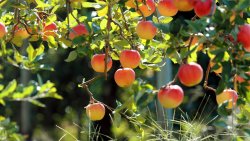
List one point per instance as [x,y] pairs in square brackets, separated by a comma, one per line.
[21,33]
[204,8]
[170,96]
[124,77]
[184,5]
[3,30]
[98,63]
[146,30]
[49,30]
[77,31]
[95,111]
[167,8]
[190,74]
[228,95]
[243,36]
[146,10]
[130,58]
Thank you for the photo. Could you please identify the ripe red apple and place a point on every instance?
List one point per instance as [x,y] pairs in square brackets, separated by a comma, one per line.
[2,30]
[167,8]
[130,58]
[78,30]
[49,30]
[228,95]
[124,77]
[170,96]
[98,63]
[204,7]
[190,74]
[146,30]
[243,36]
[95,111]
[184,5]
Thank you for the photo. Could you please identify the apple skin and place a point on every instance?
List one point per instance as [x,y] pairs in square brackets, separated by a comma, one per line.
[124,77]
[49,30]
[167,8]
[170,96]
[147,9]
[130,58]
[146,30]
[203,8]
[243,36]
[190,74]
[78,30]
[227,95]
[3,30]
[98,63]
[184,5]
[95,111]
[21,33]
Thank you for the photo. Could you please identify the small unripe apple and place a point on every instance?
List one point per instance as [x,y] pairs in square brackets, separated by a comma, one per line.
[146,30]
[167,8]
[228,95]
[3,30]
[243,36]
[124,77]
[95,111]
[130,58]
[190,74]
[204,7]
[49,30]
[170,96]
[77,31]
[98,63]
[184,5]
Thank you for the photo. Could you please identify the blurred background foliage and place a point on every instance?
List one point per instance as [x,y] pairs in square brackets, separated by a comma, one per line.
[47,73]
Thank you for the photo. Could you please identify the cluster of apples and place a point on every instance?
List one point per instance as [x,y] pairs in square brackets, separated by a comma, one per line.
[171,7]
[51,29]
[124,77]
[191,74]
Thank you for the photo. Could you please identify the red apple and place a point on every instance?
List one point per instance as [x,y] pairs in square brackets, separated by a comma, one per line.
[98,63]
[3,30]
[184,5]
[170,96]
[77,31]
[146,30]
[167,8]
[204,7]
[243,36]
[228,95]
[49,30]
[130,58]
[124,77]
[21,33]
[95,111]
[190,74]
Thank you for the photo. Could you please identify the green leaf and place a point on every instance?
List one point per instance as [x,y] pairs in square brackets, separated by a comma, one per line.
[37,103]
[117,119]
[11,87]
[31,53]
[72,56]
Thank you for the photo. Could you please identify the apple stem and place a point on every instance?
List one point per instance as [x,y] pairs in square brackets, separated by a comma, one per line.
[205,86]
